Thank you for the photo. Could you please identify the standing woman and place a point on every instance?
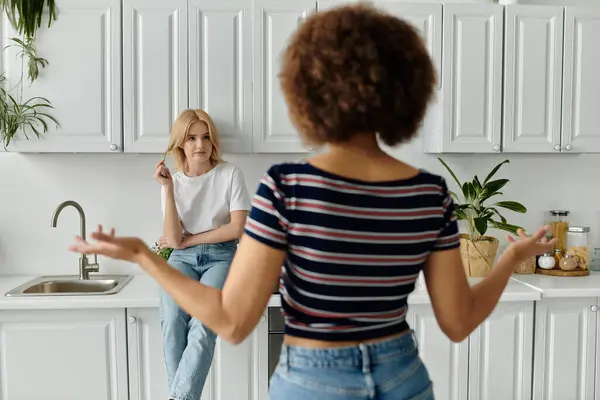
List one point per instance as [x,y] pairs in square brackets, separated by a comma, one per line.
[348,231]
[204,206]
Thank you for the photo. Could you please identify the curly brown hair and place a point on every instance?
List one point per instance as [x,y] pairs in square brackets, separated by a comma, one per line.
[353,70]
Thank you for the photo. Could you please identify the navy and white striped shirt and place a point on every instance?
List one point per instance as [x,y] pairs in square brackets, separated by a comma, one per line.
[354,248]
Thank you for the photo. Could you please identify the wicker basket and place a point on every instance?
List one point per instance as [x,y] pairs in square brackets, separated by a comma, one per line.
[525,267]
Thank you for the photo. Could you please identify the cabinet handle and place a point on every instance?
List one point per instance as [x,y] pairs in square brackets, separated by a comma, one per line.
[557,147]
[568,147]
[113,147]
[131,320]
[497,147]
[594,308]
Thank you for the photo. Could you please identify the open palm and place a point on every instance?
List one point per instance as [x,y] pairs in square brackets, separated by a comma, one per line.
[530,246]
[121,248]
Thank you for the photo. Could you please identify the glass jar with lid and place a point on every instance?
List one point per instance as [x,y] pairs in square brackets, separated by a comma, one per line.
[560,226]
[578,245]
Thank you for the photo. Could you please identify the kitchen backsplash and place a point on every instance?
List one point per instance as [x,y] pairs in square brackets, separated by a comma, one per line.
[118,190]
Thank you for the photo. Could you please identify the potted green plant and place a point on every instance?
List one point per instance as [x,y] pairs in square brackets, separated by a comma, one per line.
[478,250]
[18,114]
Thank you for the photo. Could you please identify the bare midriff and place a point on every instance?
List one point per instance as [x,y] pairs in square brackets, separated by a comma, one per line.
[324,344]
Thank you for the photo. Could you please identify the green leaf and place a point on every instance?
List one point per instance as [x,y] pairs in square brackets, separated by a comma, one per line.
[505,227]
[460,214]
[493,186]
[450,171]
[481,224]
[498,214]
[485,196]
[512,205]
[477,185]
[493,172]
[469,191]
[453,195]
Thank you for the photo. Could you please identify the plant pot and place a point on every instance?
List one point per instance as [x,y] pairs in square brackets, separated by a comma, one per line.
[478,257]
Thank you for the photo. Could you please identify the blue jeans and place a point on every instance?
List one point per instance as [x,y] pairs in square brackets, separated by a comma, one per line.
[387,370]
[188,344]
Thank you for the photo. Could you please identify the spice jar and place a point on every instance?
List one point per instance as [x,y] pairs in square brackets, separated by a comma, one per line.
[546,261]
[568,262]
[560,226]
[578,245]
[557,256]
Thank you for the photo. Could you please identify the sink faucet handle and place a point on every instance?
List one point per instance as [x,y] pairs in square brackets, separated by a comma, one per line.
[95,267]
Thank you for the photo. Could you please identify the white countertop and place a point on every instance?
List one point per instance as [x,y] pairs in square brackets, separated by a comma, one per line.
[142,291]
[558,286]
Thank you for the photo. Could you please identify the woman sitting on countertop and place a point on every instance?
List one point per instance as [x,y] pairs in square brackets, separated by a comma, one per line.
[204,207]
[347,232]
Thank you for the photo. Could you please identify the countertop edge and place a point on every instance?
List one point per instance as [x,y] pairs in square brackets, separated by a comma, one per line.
[142,292]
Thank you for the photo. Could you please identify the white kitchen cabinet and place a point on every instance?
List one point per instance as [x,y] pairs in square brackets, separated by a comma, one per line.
[147,378]
[220,63]
[155,71]
[565,348]
[471,81]
[446,362]
[533,65]
[581,81]
[231,375]
[274,22]
[82,79]
[63,354]
[501,354]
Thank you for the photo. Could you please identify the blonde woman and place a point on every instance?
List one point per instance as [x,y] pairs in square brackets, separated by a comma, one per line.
[204,207]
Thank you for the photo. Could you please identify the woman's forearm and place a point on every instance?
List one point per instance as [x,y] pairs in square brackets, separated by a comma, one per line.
[172,226]
[222,234]
[486,294]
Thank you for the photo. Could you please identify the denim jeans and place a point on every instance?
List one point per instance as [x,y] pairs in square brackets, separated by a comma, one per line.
[387,370]
[188,344]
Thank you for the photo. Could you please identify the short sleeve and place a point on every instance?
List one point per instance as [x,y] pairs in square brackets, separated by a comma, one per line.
[448,237]
[266,221]
[239,197]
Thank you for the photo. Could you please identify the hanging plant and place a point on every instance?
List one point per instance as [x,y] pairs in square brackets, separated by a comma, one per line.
[26,15]
[16,114]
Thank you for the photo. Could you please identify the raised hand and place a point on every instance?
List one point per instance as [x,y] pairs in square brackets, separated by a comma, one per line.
[120,248]
[529,246]
[162,174]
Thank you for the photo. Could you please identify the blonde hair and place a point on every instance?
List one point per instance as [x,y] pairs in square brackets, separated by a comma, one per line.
[180,130]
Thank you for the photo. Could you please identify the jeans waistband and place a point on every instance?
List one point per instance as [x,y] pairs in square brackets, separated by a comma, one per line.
[205,246]
[360,356]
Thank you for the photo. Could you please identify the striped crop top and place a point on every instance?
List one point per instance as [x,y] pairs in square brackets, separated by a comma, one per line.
[354,248]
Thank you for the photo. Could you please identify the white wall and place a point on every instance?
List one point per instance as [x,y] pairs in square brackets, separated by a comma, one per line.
[118,190]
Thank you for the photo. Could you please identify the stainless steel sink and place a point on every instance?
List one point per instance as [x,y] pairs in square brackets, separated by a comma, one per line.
[71,285]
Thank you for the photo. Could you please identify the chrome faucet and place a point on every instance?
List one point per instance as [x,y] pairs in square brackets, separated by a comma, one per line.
[84,266]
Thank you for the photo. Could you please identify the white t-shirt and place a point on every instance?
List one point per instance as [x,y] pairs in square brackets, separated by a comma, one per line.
[204,202]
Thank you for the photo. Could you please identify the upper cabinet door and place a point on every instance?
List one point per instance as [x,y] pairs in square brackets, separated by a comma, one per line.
[274,23]
[472,79]
[581,81]
[82,79]
[221,68]
[155,75]
[532,78]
